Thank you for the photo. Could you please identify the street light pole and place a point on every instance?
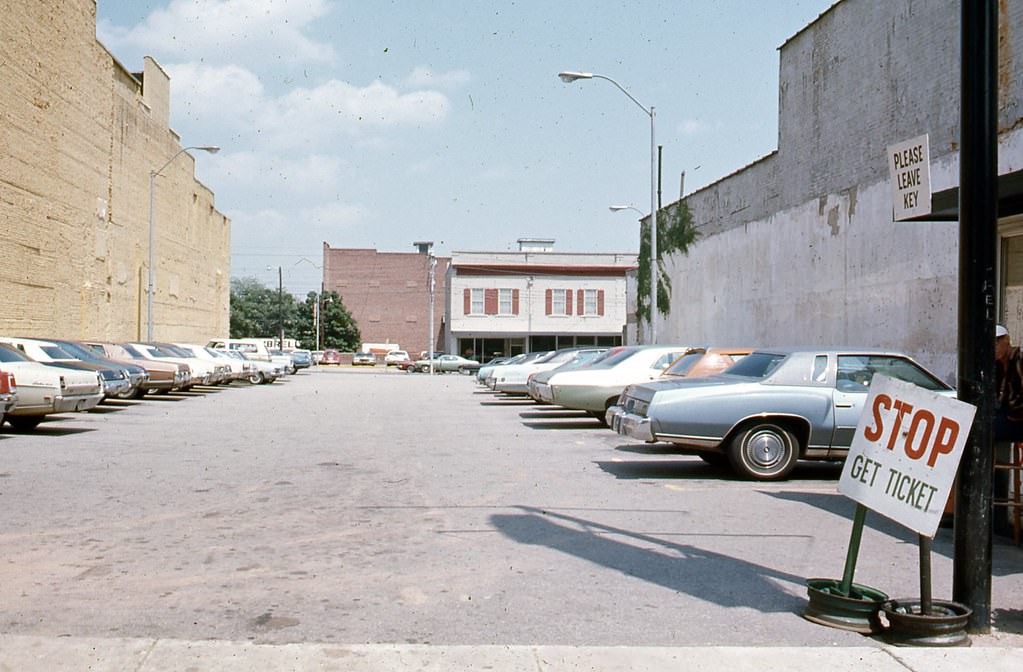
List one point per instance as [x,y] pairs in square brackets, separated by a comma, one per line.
[280,308]
[619,208]
[568,77]
[153,174]
[426,247]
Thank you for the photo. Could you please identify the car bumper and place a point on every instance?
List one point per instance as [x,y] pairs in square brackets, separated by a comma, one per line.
[512,387]
[72,403]
[112,388]
[629,424]
[541,392]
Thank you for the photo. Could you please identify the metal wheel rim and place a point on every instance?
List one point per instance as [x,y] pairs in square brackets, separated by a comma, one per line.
[765,449]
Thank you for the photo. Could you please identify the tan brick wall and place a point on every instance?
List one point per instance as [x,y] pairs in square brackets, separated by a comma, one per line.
[78,138]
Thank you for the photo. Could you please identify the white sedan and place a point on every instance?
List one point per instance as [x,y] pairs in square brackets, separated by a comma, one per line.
[45,389]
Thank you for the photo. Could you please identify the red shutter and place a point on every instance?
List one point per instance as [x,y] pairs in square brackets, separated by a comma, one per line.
[490,301]
[548,303]
[568,301]
[515,302]
[600,302]
[581,304]
[466,302]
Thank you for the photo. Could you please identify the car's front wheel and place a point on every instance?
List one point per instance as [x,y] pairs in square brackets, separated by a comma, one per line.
[256,378]
[764,452]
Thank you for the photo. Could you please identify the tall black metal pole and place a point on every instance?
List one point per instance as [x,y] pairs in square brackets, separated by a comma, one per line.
[978,244]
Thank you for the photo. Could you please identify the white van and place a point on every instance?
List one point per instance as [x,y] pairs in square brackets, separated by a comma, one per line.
[253,348]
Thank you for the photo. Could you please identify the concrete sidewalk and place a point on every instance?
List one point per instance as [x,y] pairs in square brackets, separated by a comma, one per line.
[24,653]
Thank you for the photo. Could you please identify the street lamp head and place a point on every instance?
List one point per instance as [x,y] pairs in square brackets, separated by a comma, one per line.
[212,149]
[568,76]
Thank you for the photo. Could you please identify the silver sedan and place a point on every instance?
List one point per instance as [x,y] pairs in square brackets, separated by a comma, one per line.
[769,410]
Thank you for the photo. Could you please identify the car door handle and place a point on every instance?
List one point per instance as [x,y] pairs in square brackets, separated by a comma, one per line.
[843,405]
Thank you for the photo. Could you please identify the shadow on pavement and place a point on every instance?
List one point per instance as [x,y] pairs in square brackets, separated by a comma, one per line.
[559,413]
[509,402]
[683,466]
[706,575]
[581,423]
[46,430]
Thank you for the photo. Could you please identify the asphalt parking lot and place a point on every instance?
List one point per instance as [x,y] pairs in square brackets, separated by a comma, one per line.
[379,507]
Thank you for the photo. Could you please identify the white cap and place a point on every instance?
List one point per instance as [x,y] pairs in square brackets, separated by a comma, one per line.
[1000,331]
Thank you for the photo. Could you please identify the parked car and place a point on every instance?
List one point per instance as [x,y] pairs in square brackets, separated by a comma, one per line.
[137,375]
[45,389]
[224,373]
[364,359]
[217,372]
[485,375]
[406,365]
[8,393]
[240,368]
[302,359]
[448,364]
[114,379]
[703,362]
[487,369]
[595,388]
[162,377]
[330,358]
[316,356]
[261,372]
[772,408]
[201,372]
[514,378]
[283,360]
[394,356]
[253,348]
[539,383]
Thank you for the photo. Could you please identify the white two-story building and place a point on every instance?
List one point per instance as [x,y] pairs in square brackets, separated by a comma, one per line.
[504,303]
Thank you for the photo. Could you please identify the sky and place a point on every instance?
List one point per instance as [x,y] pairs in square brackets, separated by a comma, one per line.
[379,123]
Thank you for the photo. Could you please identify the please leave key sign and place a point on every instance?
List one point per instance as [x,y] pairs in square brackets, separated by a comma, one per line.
[905,453]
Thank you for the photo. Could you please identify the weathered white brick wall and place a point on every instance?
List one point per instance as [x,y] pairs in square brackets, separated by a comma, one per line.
[77,141]
[799,248]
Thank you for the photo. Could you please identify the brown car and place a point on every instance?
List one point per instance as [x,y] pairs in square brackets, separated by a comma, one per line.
[163,376]
[703,362]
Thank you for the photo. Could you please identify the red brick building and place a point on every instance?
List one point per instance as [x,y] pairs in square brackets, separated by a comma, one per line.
[388,294]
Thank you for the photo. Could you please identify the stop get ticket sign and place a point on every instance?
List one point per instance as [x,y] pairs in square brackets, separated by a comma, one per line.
[905,453]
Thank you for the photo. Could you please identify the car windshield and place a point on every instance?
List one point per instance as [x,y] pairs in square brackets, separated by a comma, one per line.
[615,359]
[683,364]
[10,355]
[135,352]
[756,365]
[54,352]
[78,351]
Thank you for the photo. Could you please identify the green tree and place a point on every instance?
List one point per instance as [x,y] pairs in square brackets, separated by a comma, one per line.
[340,331]
[675,233]
[257,310]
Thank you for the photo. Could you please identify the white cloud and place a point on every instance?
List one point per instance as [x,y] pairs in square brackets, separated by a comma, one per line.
[308,176]
[692,127]
[232,99]
[246,31]
[423,76]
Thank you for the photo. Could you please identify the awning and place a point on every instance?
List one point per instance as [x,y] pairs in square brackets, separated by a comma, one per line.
[945,204]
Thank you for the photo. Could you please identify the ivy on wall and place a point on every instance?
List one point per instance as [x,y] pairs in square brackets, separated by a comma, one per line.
[675,233]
